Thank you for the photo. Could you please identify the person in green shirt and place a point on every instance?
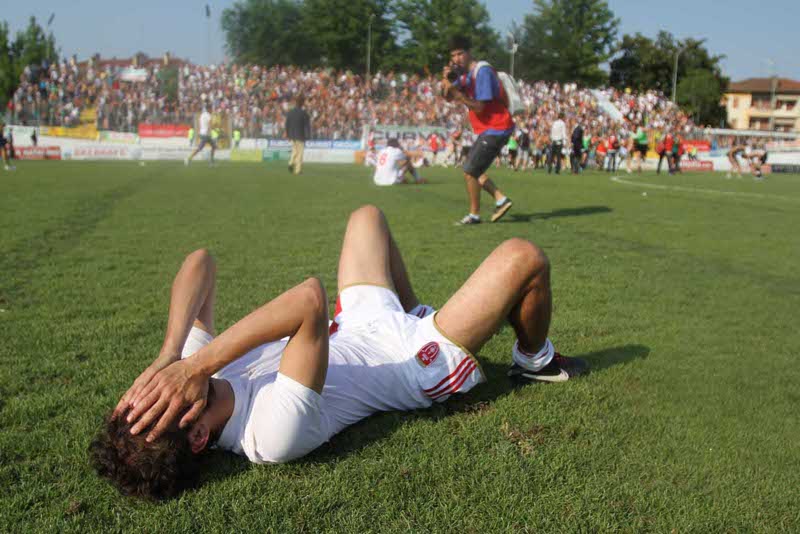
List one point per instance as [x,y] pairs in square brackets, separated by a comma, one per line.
[587,147]
[237,136]
[639,149]
[190,135]
[513,147]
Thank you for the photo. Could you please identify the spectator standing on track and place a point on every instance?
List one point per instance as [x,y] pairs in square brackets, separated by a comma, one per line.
[577,148]
[298,129]
[558,135]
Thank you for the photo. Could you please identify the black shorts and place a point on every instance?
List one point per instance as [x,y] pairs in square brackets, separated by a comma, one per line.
[512,153]
[3,142]
[465,150]
[206,139]
[641,149]
[483,153]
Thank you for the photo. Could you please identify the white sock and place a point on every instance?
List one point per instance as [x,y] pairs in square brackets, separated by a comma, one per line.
[422,310]
[534,362]
[476,217]
[498,202]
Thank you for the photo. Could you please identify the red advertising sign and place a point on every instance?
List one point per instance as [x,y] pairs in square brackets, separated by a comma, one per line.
[702,146]
[163,130]
[692,165]
[37,152]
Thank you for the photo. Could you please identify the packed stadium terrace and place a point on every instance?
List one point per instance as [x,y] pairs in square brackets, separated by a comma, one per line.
[257,98]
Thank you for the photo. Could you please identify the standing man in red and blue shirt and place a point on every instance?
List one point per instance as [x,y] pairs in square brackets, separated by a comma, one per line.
[476,85]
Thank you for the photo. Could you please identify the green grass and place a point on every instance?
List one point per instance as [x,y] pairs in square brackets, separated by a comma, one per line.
[685,302]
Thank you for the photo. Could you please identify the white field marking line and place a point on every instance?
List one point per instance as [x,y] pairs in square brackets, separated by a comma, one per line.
[619,180]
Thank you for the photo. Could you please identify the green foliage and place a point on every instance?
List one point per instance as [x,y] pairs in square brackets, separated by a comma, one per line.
[685,303]
[699,94]
[7,79]
[567,41]
[334,33]
[268,32]
[429,25]
[169,79]
[340,28]
[644,63]
[30,47]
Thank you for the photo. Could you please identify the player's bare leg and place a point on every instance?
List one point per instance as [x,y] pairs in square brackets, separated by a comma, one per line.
[6,161]
[512,284]
[370,256]
[196,151]
[501,202]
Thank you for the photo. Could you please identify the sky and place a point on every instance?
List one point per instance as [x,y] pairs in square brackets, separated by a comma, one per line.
[757,41]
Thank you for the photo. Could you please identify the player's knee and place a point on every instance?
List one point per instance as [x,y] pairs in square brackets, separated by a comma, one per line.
[315,297]
[202,256]
[366,214]
[526,253]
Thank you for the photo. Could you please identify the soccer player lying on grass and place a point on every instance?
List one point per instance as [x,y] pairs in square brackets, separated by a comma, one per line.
[280,382]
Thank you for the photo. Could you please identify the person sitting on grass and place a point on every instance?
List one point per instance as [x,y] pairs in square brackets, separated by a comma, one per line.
[283,380]
[392,164]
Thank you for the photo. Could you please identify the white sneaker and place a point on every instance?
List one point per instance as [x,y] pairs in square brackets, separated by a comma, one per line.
[186,161]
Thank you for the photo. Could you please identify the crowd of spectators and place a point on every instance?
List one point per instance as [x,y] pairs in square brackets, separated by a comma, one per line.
[257,98]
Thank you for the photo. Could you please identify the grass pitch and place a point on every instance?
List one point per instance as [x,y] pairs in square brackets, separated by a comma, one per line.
[684,299]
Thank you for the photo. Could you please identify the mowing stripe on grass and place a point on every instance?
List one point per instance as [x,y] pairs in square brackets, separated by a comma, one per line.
[620,180]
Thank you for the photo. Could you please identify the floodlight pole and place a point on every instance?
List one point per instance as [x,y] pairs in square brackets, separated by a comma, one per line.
[675,73]
[514,48]
[369,45]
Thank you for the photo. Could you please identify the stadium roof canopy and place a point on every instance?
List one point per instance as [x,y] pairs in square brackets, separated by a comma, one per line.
[764,85]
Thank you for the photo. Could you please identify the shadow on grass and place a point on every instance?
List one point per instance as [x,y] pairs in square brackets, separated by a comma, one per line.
[563,212]
[380,426]
[498,385]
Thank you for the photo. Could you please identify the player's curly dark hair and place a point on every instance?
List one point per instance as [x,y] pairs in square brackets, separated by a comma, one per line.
[459,42]
[155,471]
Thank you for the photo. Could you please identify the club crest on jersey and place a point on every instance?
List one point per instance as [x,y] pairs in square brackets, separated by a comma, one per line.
[428,354]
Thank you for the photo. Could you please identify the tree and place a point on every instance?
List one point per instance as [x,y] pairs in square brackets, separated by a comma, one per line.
[699,94]
[30,48]
[7,71]
[33,47]
[340,28]
[567,41]
[268,32]
[643,63]
[430,24]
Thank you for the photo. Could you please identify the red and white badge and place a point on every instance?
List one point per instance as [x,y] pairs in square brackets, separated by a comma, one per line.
[427,354]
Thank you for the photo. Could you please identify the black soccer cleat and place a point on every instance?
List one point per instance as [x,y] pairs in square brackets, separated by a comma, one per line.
[560,369]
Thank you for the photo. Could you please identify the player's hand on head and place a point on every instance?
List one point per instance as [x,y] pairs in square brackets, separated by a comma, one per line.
[141,381]
[169,393]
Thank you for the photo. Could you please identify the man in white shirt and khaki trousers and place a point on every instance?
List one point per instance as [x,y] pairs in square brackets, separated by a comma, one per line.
[558,135]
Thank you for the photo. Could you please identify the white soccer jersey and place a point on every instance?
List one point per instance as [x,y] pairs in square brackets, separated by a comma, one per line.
[387,171]
[205,123]
[380,359]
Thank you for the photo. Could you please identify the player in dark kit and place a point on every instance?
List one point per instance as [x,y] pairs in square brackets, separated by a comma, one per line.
[5,149]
